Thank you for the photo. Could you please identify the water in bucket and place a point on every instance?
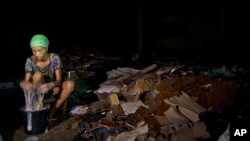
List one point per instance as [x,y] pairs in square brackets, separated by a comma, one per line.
[36,121]
[35,114]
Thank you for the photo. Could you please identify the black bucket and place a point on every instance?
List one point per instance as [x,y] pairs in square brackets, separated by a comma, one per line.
[35,122]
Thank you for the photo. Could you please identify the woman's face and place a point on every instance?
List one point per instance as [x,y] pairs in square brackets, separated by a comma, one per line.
[39,52]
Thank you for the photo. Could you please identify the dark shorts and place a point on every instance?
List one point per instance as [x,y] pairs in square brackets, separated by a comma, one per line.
[50,94]
[47,79]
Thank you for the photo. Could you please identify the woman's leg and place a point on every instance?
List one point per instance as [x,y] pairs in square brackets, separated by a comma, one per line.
[37,78]
[67,88]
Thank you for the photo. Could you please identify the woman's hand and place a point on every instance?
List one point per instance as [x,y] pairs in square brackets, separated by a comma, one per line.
[45,88]
[26,85]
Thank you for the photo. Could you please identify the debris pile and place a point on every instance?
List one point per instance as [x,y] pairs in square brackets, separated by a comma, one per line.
[155,103]
[83,63]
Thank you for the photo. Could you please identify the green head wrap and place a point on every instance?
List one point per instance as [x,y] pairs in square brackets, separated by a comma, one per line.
[39,40]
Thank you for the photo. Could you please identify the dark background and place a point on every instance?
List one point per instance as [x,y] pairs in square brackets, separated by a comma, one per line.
[121,28]
[113,28]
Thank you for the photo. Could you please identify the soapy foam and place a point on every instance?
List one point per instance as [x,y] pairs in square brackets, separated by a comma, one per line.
[29,121]
[33,99]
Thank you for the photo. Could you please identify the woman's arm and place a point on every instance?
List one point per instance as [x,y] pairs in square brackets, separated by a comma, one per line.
[58,75]
[27,77]
[58,70]
[58,79]
[48,86]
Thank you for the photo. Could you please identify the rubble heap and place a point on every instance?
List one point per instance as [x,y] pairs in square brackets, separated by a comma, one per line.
[155,103]
[83,62]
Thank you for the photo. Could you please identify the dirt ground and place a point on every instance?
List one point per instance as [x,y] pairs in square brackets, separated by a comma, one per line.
[56,133]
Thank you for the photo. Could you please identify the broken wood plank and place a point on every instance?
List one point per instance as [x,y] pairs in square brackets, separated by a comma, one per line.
[135,76]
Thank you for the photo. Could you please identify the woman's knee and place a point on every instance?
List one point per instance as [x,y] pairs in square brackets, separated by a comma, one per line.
[37,77]
[69,85]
